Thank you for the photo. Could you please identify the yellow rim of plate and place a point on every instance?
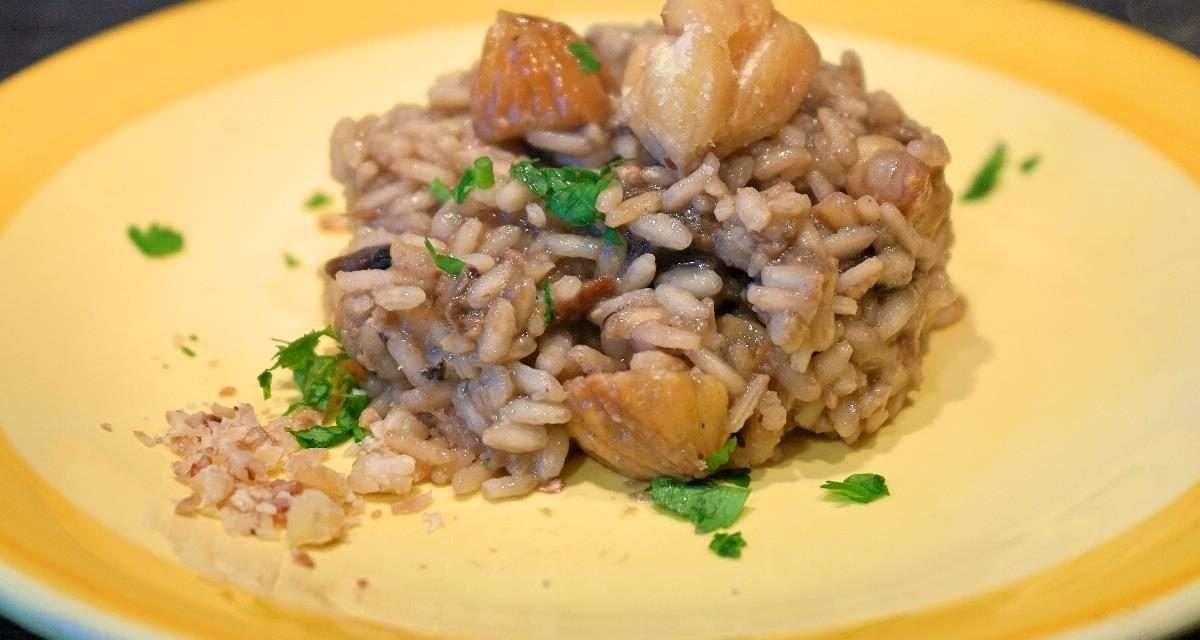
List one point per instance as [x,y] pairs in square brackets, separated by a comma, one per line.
[64,105]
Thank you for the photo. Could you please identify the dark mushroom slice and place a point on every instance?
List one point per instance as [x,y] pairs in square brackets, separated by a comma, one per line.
[376,257]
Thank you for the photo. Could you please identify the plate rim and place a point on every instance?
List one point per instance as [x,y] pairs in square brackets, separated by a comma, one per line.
[37,603]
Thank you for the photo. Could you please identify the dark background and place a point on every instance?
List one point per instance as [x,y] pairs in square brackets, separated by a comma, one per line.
[33,29]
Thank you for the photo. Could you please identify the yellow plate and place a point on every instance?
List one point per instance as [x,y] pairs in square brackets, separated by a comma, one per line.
[1044,480]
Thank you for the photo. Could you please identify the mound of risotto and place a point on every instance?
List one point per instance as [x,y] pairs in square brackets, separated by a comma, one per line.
[671,245]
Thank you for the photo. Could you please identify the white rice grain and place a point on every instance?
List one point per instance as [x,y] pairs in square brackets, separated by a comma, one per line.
[499,329]
[662,230]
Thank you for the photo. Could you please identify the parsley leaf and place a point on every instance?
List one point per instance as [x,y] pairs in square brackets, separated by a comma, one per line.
[708,505]
[156,241]
[484,178]
[575,203]
[728,545]
[570,192]
[587,59]
[317,200]
[477,176]
[439,190]
[325,385]
[1031,163]
[859,487]
[447,263]
[613,237]
[988,175]
[290,261]
[548,303]
[187,351]
[721,456]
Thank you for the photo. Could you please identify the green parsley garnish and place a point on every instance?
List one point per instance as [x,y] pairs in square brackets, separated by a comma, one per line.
[708,504]
[193,337]
[859,487]
[317,200]
[484,178]
[447,263]
[439,190]
[547,303]
[156,241]
[988,175]
[187,351]
[583,53]
[325,385]
[721,456]
[1031,163]
[570,192]
[728,545]
[478,176]
[290,261]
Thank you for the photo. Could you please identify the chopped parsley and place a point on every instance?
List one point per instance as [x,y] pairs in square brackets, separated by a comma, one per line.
[447,263]
[439,190]
[547,303]
[721,456]
[709,504]
[325,384]
[193,337]
[859,487]
[156,241]
[570,192]
[290,261]
[586,57]
[478,176]
[988,175]
[484,178]
[728,545]
[1031,163]
[317,200]
[187,351]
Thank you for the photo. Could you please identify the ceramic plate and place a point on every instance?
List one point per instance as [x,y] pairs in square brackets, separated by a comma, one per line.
[1044,481]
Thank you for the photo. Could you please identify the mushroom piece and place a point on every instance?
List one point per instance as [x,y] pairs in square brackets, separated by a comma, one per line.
[645,423]
[726,74]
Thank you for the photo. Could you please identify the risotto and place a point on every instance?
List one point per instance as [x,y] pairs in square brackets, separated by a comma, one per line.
[669,246]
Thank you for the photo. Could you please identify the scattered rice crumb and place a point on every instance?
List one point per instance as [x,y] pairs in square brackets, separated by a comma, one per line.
[106,426]
[433,521]
[301,557]
[227,392]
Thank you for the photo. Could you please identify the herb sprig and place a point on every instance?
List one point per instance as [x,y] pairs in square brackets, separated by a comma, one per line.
[721,456]
[444,261]
[157,241]
[988,175]
[859,487]
[570,192]
[478,176]
[709,504]
[325,384]
[586,57]
[728,545]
